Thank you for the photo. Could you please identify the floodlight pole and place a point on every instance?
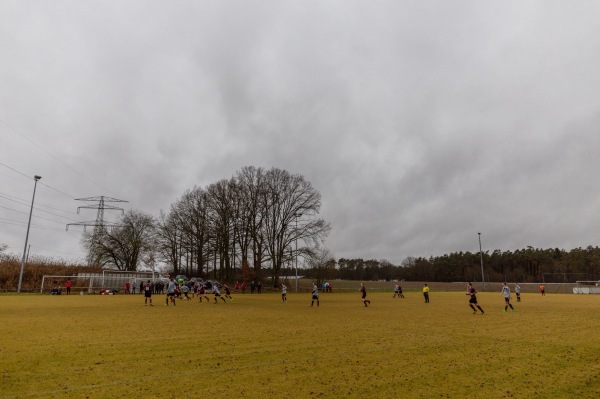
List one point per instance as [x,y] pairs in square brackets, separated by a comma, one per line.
[36,178]
[481,258]
[297,215]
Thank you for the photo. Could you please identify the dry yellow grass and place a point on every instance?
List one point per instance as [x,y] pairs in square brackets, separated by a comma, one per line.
[113,346]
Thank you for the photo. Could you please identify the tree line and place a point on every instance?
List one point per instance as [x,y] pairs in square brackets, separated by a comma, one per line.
[526,265]
[245,227]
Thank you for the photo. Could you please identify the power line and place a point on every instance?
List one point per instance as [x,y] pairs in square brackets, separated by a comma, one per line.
[57,190]
[25,213]
[19,223]
[14,170]
[41,210]
[43,184]
[53,250]
[52,156]
[37,203]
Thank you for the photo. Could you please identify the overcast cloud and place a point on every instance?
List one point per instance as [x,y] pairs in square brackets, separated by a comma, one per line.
[420,123]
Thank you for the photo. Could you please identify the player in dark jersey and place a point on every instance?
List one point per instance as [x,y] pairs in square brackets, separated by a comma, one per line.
[227,292]
[148,293]
[363,291]
[202,294]
[472,292]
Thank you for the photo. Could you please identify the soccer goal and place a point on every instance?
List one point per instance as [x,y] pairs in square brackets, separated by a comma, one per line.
[587,287]
[108,280]
[56,285]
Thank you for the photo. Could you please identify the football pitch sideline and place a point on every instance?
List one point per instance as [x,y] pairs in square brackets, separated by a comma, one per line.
[255,346]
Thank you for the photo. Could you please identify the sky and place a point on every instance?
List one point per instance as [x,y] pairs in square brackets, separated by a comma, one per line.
[420,123]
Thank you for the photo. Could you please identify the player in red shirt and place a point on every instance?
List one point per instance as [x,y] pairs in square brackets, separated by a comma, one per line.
[472,292]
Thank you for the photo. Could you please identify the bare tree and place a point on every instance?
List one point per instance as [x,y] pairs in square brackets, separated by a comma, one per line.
[322,264]
[291,209]
[124,246]
[168,238]
[252,217]
[191,215]
[221,200]
[250,190]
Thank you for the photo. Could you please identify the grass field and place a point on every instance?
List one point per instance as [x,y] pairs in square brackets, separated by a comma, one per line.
[95,346]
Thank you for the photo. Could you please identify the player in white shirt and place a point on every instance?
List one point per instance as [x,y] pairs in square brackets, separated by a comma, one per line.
[283,293]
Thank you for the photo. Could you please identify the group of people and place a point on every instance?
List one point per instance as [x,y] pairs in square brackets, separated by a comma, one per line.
[177,290]
[472,292]
[254,286]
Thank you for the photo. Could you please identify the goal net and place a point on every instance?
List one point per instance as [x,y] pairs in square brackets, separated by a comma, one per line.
[587,287]
[108,281]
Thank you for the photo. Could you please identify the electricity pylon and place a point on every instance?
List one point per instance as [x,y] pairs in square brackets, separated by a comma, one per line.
[99,224]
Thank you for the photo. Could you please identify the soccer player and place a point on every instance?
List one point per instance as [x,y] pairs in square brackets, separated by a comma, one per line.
[543,290]
[363,291]
[283,293]
[218,294]
[315,295]
[228,292]
[396,291]
[171,292]
[426,293]
[202,293]
[473,300]
[185,290]
[148,293]
[518,292]
[506,293]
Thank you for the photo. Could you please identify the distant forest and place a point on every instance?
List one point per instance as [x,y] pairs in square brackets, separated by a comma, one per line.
[526,265]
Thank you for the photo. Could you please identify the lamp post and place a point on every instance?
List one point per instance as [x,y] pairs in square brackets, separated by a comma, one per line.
[297,215]
[481,258]
[36,178]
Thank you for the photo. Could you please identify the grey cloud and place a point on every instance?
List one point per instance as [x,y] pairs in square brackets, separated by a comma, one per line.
[421,123]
